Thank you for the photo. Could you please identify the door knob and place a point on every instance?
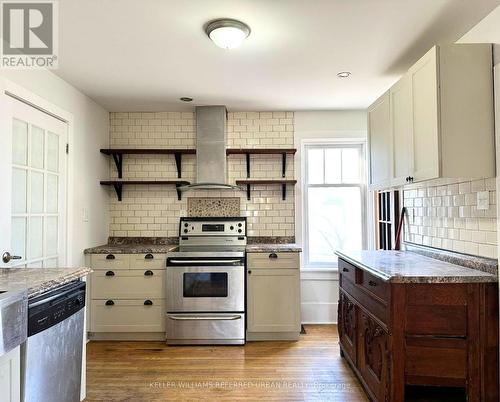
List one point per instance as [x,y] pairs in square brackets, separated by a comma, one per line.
[6,257]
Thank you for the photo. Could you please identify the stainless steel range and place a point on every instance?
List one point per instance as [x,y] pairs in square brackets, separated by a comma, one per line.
[206,283]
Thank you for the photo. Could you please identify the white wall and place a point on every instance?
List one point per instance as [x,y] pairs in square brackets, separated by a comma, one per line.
[87,166]
[319,288]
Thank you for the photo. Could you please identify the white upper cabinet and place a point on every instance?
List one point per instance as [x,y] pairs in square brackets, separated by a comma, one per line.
[441,119]
[401,126]
[379,128]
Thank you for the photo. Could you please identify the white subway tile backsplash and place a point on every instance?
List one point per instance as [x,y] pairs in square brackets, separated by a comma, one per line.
[155,210]
[450,218]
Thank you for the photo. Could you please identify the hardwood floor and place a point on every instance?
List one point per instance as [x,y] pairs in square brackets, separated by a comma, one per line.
[308,370]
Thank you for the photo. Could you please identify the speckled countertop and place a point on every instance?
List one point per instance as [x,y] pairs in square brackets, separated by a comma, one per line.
[139,248]
[165,248]
[38,280]
[273,248]
[409,267]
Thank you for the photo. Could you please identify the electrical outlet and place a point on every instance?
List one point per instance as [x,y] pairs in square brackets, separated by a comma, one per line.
[85,215]
[483,200]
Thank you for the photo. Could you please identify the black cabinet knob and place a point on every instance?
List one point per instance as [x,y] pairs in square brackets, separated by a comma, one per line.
[110,273]
[273,256]
[110,303]
[249,272]
[149,256]
[148,303]
[372,283]
[110,257]
[345,270]
[148,273]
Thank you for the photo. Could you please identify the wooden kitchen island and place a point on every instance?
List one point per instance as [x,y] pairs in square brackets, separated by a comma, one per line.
[405,319]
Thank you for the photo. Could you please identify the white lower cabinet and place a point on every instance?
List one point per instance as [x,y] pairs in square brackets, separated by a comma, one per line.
[122,315]
[127,296]
[273,296]
[10,376]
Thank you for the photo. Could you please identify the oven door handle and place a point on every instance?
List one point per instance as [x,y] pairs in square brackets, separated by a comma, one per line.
[204,317]
[202,262]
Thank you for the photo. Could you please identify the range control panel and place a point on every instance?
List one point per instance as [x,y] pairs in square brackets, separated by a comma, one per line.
[212,227]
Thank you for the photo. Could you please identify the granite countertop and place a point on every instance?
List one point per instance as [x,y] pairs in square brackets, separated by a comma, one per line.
[409,267]
[38,280]
[273,248]
[139,248]
[165,248]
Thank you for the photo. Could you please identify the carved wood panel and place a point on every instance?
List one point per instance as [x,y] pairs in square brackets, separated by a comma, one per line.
[347,325]
[373,356]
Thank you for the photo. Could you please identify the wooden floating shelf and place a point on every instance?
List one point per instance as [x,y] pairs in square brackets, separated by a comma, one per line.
[117,154]
[263,151]
[283,184]
[118,185]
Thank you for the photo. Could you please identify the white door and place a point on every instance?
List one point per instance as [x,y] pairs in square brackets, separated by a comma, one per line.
[33,172]
[379,133]
[424,92]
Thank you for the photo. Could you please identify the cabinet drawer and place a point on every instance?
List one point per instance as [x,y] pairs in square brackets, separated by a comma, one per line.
[148,261]
[109,261]
[273,260]
[365,299]
[347,270]
[375,285]
[128,284]
[128,316]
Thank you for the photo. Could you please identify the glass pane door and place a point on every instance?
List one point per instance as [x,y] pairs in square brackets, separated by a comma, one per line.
[37,188]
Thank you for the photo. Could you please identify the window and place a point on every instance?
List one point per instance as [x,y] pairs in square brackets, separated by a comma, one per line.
[334,194]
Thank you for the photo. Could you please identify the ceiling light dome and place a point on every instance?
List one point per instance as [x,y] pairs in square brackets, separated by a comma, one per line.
[227,33]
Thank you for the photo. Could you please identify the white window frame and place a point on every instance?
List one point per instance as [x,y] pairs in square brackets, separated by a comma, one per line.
[324,144]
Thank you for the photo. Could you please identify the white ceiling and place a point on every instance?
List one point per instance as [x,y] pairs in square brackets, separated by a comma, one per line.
[143,55]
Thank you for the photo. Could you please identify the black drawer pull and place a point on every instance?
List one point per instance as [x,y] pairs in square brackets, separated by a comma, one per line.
[110,303]
[110,273]
[148,303]
[148,273]
[110,257]
[273,256]
[372,283]
[345,270]
[149,256]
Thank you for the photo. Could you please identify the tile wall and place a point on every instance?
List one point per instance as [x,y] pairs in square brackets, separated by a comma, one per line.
[154,210]
[446,216]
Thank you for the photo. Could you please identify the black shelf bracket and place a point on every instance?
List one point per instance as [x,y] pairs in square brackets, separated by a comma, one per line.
[283,164]
[178,163]
[248,191]
[248,166]
[179,192]
[118,158]
[118,188]
[283,191]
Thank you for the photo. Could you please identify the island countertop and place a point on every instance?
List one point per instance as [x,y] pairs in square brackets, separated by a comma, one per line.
[38,280]
[409,267]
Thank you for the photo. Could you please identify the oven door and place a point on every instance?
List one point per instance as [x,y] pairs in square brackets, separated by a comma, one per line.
[205,285]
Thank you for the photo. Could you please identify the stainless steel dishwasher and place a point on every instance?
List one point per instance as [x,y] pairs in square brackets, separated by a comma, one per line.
[51,357]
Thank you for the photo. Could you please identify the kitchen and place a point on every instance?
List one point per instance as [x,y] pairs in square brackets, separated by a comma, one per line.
[247,229]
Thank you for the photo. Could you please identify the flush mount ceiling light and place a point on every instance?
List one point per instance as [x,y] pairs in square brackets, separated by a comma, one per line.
[186,99]
[344,74]
[227,33]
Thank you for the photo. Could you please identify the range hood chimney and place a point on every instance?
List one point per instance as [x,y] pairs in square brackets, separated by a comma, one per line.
[211,138]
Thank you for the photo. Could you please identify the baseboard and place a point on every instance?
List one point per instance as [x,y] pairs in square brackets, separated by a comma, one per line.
[126,336]
[319,313]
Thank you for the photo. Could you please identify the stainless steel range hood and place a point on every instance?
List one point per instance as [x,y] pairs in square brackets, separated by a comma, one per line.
[211,138]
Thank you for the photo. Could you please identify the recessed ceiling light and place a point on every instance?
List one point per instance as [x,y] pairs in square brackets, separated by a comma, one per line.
[227,33]
[344,74]
[186,99]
